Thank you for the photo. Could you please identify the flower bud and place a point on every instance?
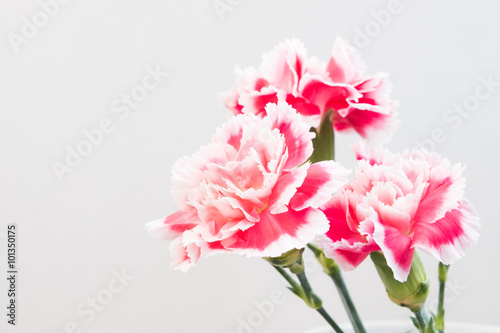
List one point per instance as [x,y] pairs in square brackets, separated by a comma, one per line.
[413,292]
[290,259]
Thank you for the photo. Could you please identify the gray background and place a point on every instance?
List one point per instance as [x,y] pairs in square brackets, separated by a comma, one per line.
[74,234]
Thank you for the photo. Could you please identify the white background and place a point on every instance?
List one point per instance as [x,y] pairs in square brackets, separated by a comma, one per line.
[73,234]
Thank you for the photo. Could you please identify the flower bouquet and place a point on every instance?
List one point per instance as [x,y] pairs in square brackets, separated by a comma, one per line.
[267,185]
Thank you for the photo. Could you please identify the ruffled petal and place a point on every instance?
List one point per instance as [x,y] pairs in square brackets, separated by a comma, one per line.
[251,94]
[367,123]
[344,242]
[187,249]
[183,257]
[255,102]
[327,95]
[298,138]
[323,179]
[172,226]
[279,233]
[348,257]
[373,153]
[396,248]
[345,63]
[284,65]
[450,237]
[445,188]
[285,189]
[310,113]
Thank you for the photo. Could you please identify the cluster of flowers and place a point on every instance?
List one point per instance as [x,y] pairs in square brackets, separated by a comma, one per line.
[254,191]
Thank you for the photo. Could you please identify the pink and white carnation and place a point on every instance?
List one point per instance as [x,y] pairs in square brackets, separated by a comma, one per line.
[397,203]
[250,190]
[358,102]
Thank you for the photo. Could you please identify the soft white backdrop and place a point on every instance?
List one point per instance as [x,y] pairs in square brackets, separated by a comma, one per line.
[76,234]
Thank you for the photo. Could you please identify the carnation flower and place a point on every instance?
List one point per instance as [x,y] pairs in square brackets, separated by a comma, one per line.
[358,102]
[250,190]
[397,203]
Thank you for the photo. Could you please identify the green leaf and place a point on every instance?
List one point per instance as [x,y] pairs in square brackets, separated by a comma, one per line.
[430,327]
[415,322]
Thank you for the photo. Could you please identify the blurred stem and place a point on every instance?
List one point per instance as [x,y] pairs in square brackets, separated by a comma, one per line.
[329,319]
[312,300]
[348,303]
[333,270]
[443,274]
[422,319]
[288,278]
[324,142]
[305,292]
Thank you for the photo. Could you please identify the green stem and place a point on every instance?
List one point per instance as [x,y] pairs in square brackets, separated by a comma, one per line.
[306,287]
[315,300]
[422,320]
[324,142]
[305,292]
[348,303]
[329,319]
[333,144]
[443,272]
[288,278]
[333,270]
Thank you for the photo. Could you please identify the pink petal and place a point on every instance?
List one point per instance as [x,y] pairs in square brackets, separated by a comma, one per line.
[251,94]
[396,248]
[346,256]
[276,234]
[376,91]
[327,95]
[284,65]
[372,114]
[343,242]
[375,88]
[445,189]
[285,189]
[366,123]
[310,112]
[374,154]
[393,208]
[323,179]
[345,65]
[230,100]
[215,231]
[174,225]
[448,238]
[183,257]
[298,138]
[187,249]
[256,101]
[338,214]
[232,131]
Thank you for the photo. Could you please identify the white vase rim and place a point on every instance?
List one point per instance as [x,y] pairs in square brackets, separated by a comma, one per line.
[472,327]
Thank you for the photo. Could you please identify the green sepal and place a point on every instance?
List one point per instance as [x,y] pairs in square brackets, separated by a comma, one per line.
[291,259]
[330,267]
[413,292]
[443,272]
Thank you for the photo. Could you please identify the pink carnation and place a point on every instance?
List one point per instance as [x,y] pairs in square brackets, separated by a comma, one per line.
[249,191]
[358,102]
[397,203]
